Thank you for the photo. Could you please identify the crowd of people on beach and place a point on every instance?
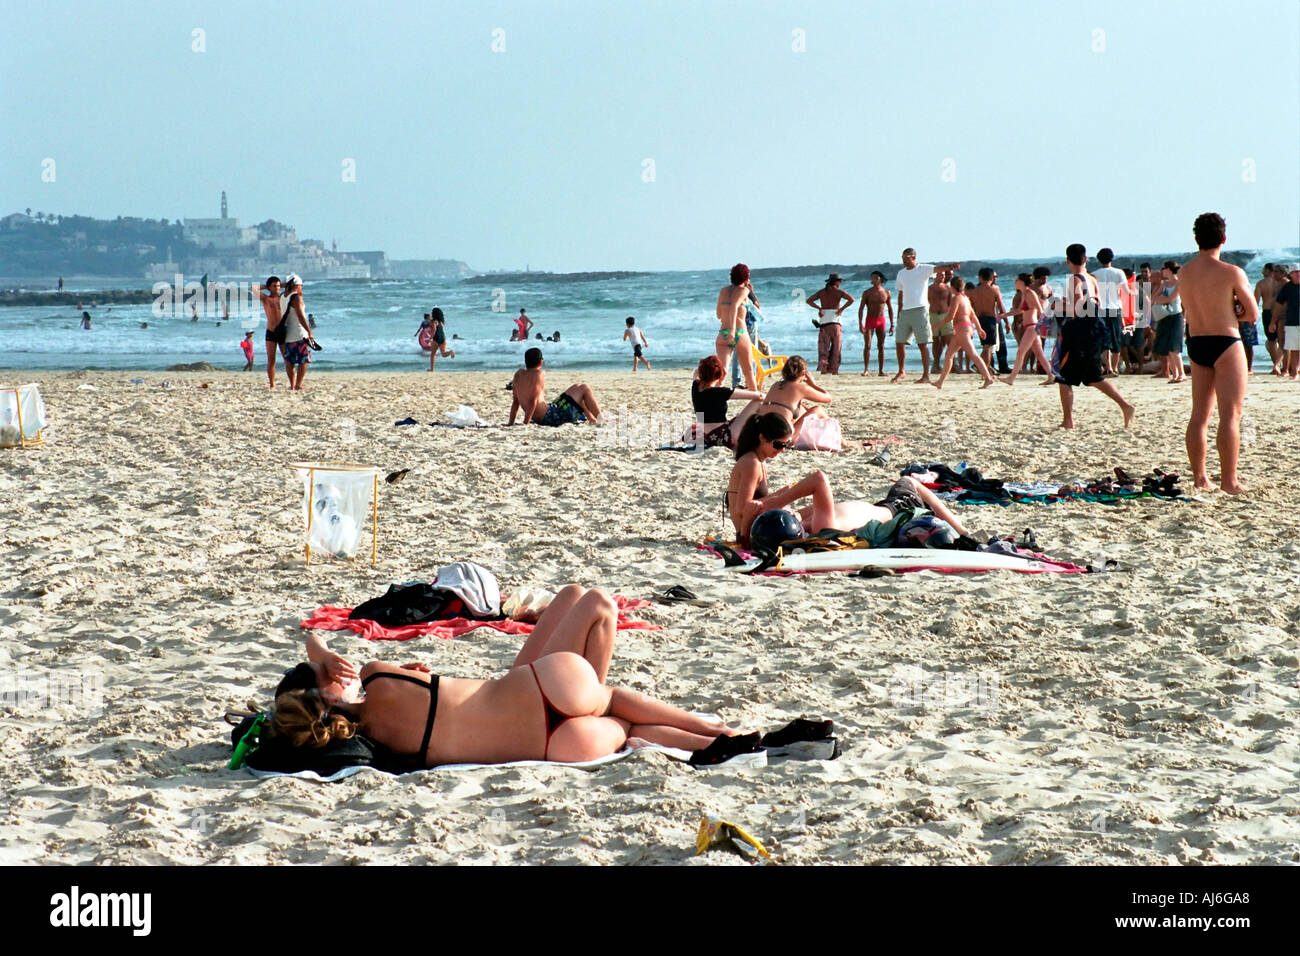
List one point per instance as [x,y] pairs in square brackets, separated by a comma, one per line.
[1087,332]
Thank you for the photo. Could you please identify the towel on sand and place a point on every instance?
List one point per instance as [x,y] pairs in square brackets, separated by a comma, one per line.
[331,618]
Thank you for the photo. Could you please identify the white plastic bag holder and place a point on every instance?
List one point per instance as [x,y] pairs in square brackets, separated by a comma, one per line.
[22,416]
[336,499]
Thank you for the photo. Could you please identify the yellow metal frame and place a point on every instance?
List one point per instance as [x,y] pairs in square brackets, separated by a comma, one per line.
[312,467]
[23,440]
[762,370]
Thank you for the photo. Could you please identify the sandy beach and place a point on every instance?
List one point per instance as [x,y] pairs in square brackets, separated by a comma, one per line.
[153,548]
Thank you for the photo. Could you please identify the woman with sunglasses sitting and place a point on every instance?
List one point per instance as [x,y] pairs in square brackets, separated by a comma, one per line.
[553,703]
[748,495]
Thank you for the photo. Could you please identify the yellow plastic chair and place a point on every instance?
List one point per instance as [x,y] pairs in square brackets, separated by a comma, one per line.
[767,365]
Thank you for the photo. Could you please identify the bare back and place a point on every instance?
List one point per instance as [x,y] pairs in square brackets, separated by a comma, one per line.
[1208,289]
[731,306]
[478,721]
[528,386]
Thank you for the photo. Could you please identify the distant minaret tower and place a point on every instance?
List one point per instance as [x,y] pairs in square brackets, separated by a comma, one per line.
[223,204]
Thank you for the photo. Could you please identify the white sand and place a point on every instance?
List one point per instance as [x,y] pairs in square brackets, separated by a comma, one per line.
[154,543]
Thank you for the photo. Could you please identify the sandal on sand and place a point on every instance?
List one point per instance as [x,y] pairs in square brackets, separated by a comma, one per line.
[677,594]
[394,477]
[724,748]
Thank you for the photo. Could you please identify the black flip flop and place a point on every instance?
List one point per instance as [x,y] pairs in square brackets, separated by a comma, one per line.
[677,594]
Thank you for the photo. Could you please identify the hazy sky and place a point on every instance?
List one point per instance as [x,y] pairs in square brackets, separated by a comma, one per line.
[780,133]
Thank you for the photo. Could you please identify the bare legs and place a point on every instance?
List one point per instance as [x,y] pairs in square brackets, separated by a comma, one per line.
[744,350]
[1106,388]
[1029,345]
[1224,384]
[961,343]
[585,399]
[576,620]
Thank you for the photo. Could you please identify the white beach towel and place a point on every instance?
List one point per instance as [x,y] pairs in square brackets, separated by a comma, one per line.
[753,761]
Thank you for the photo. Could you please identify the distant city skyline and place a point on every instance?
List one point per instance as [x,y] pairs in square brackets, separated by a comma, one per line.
[582,136]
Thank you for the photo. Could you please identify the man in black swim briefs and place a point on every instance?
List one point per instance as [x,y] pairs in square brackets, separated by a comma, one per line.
[1212,291]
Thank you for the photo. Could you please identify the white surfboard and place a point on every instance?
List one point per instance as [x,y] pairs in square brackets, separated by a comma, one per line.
[852,560]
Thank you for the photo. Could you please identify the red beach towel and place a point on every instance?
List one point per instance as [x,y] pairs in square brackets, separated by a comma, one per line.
[336,619]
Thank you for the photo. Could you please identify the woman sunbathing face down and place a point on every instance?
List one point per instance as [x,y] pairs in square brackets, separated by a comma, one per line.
[748,494]
[553,703]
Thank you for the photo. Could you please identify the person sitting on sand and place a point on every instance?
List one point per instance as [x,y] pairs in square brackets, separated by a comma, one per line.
[791,396]
[748,495]
[709,398]
[553,703]
[576,404]
[963,319]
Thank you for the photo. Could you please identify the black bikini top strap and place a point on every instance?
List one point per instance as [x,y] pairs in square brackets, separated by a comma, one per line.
[405,677]
[433,712]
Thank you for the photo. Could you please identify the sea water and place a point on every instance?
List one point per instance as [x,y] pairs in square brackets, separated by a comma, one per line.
[372,325]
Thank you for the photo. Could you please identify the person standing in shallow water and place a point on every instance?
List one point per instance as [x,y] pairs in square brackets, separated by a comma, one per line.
[1211,292]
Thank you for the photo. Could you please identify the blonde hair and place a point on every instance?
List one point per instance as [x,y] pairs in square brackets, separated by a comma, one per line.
[303,718]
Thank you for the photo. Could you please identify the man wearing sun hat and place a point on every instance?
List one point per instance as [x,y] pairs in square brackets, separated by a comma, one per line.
[830,333]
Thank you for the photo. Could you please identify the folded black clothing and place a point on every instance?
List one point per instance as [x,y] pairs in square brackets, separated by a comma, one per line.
[724,748]
[799,730]
[404,604]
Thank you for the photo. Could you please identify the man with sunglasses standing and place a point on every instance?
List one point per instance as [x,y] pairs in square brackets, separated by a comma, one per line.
[912,319]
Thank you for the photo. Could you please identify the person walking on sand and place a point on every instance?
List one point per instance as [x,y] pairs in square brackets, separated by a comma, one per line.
[637,338]
[1030,308]
[962,316]
[269,295]
[939,296]
[1211,291]
[733,334]
[874,302]
[438,335]
[912,320]
[298,340]
[830,333]
[986,299]
[1265,289]
[1082,338]
[1111,283]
